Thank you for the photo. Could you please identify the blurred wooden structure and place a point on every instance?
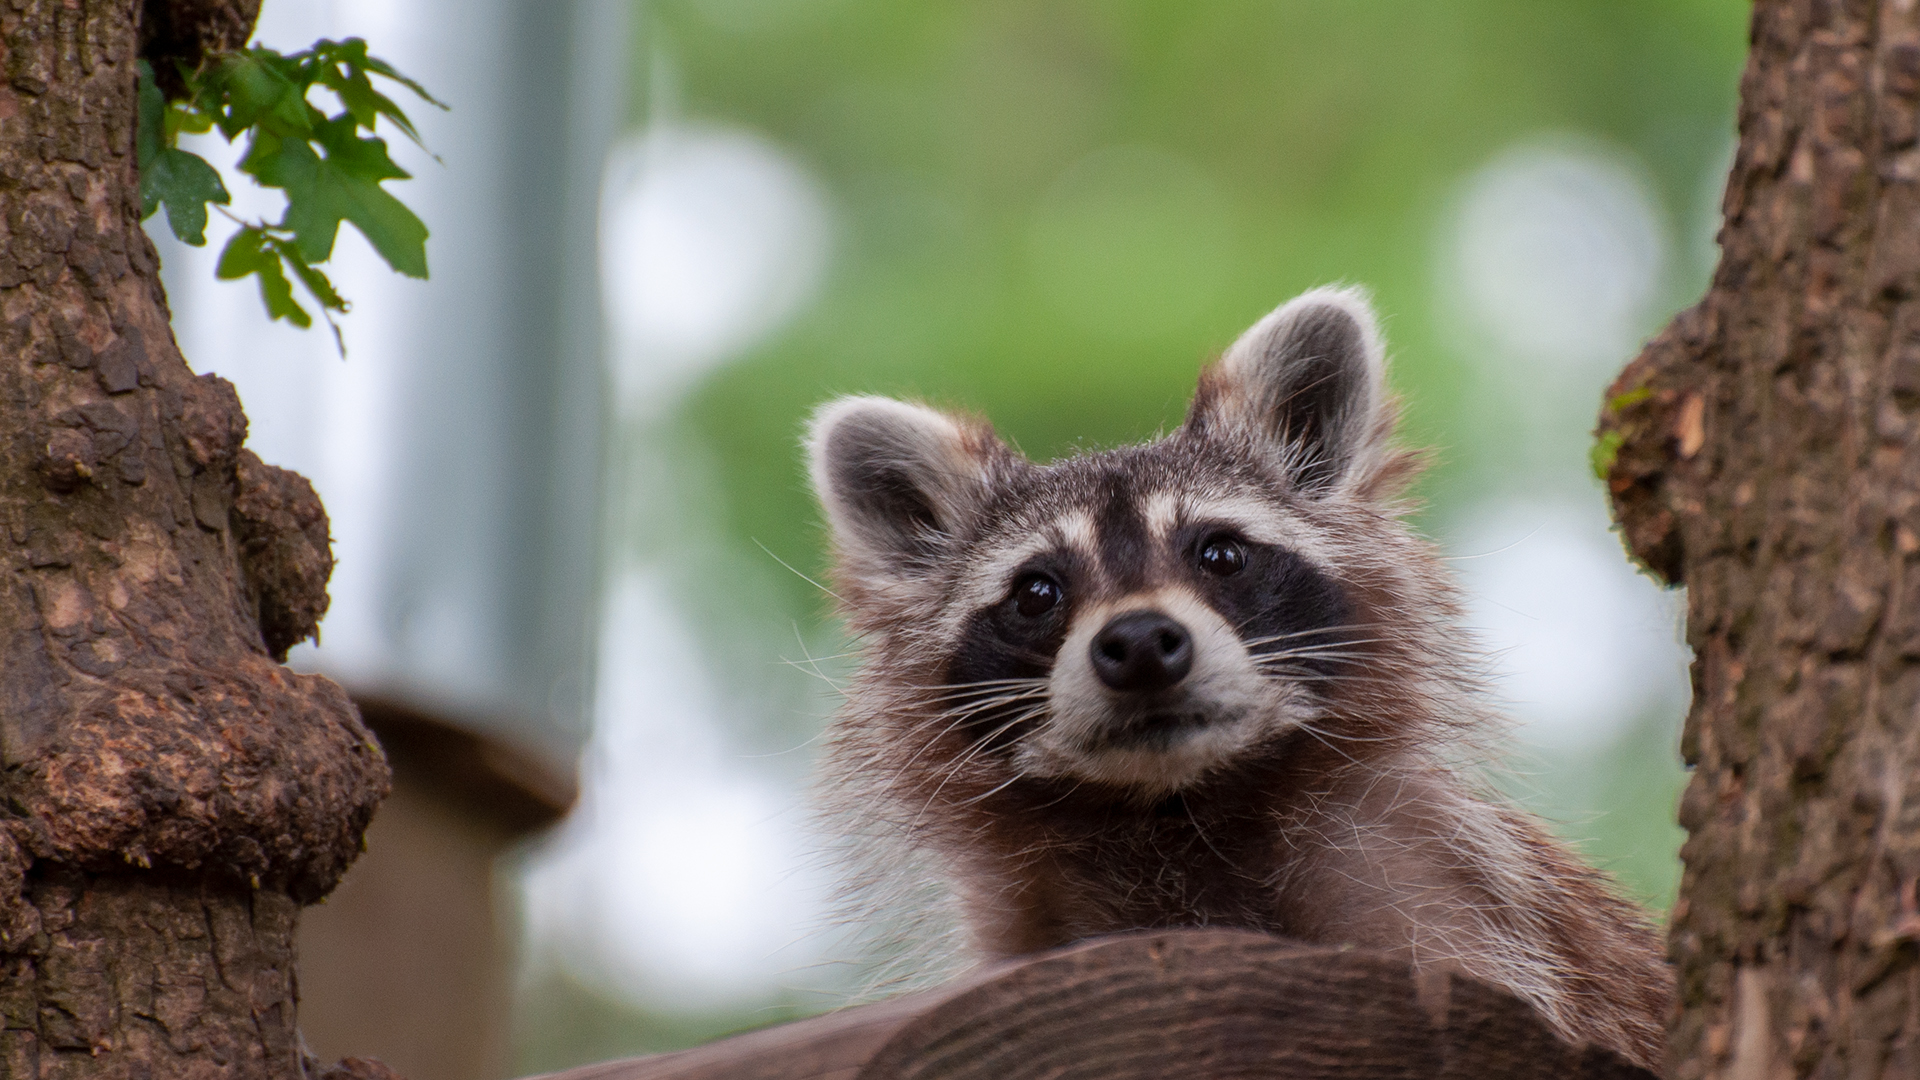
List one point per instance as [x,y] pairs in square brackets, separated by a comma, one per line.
[410,960]
[1218,1004]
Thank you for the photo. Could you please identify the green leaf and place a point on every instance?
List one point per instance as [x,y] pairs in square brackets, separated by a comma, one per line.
[183,116]
[366,158]
[343,67]
[330,171]
[251,252]
[257,92]
[318,287]
[394,231]
[311,278]
[321,194]
[186,183]
[242,254]
[365,104]
[353,52]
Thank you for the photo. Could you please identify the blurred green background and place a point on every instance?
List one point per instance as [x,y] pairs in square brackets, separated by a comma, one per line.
[1052,213]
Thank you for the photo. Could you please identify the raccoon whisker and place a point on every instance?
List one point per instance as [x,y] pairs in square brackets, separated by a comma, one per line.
[1204,838]
[1333,640]
[984,700]
[957,719]
[979,745]
[958,765]
[988,693]
[1336,643]
[1306,664]
[1317,652]
[962,689]
[1064,796]
[801,745]
[1496,551]
[1332,628]
[1326,652]
[955,770]
[1325,740]
[981,682]
[1363,686]
[1015,693]
[809,668]
[812,659]
[797,573]
[934,740]
[1343,736]
[993,705]
[1337,658]
[986,740]
[991,792]
[966,709]
[1381,663]
[813,662]
[1314,676]
[1307,650]
[1320,637]
[953,722]
[1336,629]
[976,706]
[1298,667]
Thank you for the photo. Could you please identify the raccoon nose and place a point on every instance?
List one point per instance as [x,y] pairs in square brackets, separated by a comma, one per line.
[1141,651]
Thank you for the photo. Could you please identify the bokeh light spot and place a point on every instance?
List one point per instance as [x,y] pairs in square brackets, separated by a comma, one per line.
[1580,645]
[1558,250]
[710,239]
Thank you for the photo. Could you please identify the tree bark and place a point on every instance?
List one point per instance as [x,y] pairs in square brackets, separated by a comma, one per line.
[1769,459]
[169,794]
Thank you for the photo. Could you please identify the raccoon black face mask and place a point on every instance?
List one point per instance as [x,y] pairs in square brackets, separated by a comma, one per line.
[1212,679]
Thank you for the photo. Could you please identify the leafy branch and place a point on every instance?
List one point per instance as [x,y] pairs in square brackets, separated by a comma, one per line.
[329,171]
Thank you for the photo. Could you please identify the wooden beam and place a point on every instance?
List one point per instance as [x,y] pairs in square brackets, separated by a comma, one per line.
[1212,1003]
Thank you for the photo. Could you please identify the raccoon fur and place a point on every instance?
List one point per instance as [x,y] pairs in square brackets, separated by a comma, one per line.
[1210,680]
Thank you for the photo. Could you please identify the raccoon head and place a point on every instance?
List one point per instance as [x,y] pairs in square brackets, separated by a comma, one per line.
[1138,618]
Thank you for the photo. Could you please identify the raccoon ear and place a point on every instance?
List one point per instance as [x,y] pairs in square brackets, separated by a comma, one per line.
[1306,386]
[898,482]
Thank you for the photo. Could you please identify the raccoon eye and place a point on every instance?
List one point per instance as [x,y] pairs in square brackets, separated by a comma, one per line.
[1223,556]
[1035,595]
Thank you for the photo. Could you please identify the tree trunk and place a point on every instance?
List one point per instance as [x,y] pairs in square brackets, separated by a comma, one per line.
[1769,459]
[172,794]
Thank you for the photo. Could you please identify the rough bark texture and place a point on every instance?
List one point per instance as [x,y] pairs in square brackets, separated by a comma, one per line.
[169,794]
[145,972]
[1769,459]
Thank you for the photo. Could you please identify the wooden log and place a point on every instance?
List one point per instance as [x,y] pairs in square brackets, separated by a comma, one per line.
[1213,1003]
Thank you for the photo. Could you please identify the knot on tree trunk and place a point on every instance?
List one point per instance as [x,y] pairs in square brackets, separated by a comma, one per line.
[255,774]
[1652,427]
[286,552]
[185,32]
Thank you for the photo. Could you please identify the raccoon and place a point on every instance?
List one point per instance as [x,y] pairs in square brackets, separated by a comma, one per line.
[1210,680]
